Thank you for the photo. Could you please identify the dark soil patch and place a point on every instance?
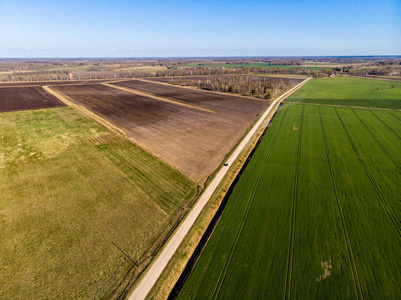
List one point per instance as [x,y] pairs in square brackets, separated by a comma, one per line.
[190,139]
[26,98]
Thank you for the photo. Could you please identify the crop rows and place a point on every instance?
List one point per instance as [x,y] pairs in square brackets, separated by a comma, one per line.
[351,257]
[325,212]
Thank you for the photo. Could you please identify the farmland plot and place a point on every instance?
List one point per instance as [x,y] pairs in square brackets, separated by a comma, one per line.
[14,99]
[192,133]
[350,92]
[316,214]
[80,206]
[220,103]
[178,79]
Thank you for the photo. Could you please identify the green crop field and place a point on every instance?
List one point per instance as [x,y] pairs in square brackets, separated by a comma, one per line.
[315,215]
[71,193]
[351,92]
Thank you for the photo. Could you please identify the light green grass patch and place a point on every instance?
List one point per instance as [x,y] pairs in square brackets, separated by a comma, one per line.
[69,190]
[351,92]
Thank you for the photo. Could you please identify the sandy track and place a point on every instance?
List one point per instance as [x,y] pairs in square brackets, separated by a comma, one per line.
[130,90]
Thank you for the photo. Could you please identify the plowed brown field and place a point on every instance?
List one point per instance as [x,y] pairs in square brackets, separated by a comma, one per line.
[25,98]
[193,140]
[221,103]
[54,82]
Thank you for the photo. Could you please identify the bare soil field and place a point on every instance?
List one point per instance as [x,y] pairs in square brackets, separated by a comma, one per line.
[195,141]
[55,82]
[218,102]
[25,98]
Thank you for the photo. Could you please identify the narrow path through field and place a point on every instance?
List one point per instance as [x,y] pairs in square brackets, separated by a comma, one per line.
[200,90]
[290,260]
[84,110]
[18,86]
[349,106]
[161,262]
[377,141]
[395,116]
[373,183]
[133,91]
[385,124]
[351,258]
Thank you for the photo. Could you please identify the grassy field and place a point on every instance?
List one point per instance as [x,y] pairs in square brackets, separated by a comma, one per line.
[351,92]
[315,215]
[74,197]
[256,64]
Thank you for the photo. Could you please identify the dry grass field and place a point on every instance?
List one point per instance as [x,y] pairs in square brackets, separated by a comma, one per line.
[191,139]
[74,197]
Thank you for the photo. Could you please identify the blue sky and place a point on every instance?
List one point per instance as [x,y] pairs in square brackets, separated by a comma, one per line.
[198,28]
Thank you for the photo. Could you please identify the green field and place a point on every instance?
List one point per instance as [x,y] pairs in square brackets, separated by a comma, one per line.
[351,92]
[71,193]
[254,65]
[316,214]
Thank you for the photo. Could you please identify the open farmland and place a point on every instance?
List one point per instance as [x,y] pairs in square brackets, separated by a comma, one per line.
[204,78]
[80,206]
[351,92]
[258,65]
[312,216]
[217,102]
[191,130]
[14,99]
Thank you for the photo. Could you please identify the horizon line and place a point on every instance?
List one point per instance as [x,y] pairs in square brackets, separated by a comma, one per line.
[195,57]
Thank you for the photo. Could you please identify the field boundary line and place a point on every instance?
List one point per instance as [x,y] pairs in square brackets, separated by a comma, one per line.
[18,86]
[372,182]
[133,91]
[395,116]
[195,89]
[384,123]
[372,78]
[349,106]
[291,247]
[378,142]
[354,269]
[84,82]
[85,111]
[238,233]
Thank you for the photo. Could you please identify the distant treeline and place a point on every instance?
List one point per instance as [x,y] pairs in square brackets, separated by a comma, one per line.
[79,69]
[257,86]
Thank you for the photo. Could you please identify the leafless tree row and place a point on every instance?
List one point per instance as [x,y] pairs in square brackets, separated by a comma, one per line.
[261,87]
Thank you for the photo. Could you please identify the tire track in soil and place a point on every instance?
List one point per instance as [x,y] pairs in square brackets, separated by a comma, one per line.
[378,142]
[373,183]
[351,258]
[244,217]
[291,247]
[385,124]
[395,116]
